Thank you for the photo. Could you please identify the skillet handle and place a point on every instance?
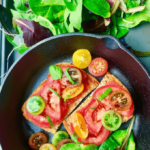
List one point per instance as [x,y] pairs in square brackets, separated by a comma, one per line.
[112,42]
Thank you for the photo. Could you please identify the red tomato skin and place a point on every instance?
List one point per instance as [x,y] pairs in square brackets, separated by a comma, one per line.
[55,115]
[127,113]
[61,111]
[100,73]
[97,140]
[92,125]
[114,86]
[71,128]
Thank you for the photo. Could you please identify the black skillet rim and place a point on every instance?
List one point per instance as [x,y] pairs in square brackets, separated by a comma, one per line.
[77,34]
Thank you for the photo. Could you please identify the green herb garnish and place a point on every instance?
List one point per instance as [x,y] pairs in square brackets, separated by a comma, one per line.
[50,121]
[104,94]
[56,72]
[67,98]
[55,92]
[69,77]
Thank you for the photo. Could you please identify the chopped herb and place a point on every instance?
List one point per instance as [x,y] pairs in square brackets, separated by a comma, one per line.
[69,77]
[50,121]
[55,92]
[67,98]
[104,94]
[92,108]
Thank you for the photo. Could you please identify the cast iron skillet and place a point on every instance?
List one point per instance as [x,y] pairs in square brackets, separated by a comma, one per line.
[28,72]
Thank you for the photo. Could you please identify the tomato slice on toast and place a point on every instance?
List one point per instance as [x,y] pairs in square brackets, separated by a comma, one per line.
[97,140]
[93,125]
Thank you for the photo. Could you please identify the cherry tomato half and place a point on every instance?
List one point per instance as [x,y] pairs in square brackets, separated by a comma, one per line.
[75,91]
[120,100]
[98,67]
[80,126]
[35,105]
[37,139]
[111,120]
[81,58]
[47,146]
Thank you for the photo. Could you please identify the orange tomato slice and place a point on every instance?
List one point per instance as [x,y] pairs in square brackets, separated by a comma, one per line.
[79,125]
[75,91]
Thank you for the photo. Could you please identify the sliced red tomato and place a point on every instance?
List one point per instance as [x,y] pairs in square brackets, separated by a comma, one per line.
[128,112]
[120,100]
[53,108]
[98,67]
[71,128]
[115,87]
[100,90]
[93,125]
[39,120]
[97,140]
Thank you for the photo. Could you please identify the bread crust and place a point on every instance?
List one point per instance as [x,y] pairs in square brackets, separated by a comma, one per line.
[107,78]
[93,83]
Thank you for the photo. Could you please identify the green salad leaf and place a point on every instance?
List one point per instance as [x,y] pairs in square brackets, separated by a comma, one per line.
[60,28]
[136,18]
[67,16]
[99,7]
[132,3]
[116,139]
[20,5]
[70,146]
[45,9]
[32,17]
[68,25]
[71,4]
[89,147]
[76,16]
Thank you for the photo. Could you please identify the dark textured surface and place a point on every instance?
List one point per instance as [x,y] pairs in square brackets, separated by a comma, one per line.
[29,71]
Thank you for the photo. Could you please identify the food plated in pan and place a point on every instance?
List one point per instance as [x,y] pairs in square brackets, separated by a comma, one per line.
[56,100]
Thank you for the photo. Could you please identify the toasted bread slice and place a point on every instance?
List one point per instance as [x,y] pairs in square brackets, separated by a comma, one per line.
[93,83]
[107,78]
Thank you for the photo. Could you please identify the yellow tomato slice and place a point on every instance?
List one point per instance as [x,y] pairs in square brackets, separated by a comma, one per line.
[47,146]
[82,58]
[75,91]
[79,125]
